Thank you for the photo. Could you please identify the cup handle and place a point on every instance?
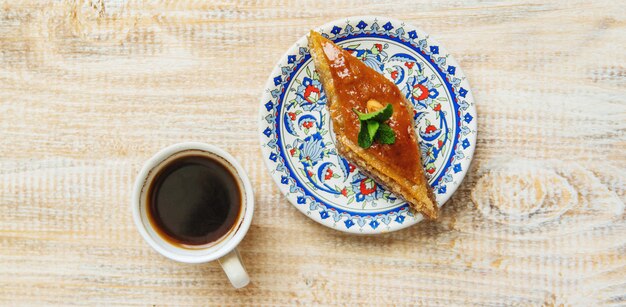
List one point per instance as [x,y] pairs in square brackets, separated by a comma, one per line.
[233,267]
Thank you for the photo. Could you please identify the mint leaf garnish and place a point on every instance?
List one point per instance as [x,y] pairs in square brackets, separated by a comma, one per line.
[385,134]
[367,133]
[379,116]
[384,114]
[363,116]
[374,128]
[365,141]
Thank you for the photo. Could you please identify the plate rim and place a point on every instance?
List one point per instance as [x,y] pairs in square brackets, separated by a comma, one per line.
[293,49]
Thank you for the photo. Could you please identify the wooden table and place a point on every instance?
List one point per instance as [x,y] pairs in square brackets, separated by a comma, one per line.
[89,91]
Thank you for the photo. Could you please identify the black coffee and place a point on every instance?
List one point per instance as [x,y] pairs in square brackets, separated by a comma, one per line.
[194,200]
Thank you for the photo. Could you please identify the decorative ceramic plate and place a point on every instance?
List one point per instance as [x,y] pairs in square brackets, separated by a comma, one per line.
[298,143]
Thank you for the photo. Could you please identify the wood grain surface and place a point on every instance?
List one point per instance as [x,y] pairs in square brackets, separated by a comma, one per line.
[90,90]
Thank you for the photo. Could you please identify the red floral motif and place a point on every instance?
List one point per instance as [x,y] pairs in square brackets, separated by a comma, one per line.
[424,91]
[307,125]
[431,129]
[309,92]
[379,47]
[430,170]
[344,192]
[439,144]
[394,75]
[291,115]
[310,173]
[437,107]
[352,167]
[292,151]
[409,65]
[363,187]
[329,174]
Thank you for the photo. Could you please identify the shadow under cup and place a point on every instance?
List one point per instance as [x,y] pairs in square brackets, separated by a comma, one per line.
[168,246]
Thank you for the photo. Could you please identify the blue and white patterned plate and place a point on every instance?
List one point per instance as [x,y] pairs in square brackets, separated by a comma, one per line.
[298,143]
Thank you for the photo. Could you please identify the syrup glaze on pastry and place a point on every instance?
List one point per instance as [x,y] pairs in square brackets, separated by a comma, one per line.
[349,84]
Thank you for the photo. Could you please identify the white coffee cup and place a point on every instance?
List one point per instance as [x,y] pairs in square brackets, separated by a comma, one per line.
[224,249]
